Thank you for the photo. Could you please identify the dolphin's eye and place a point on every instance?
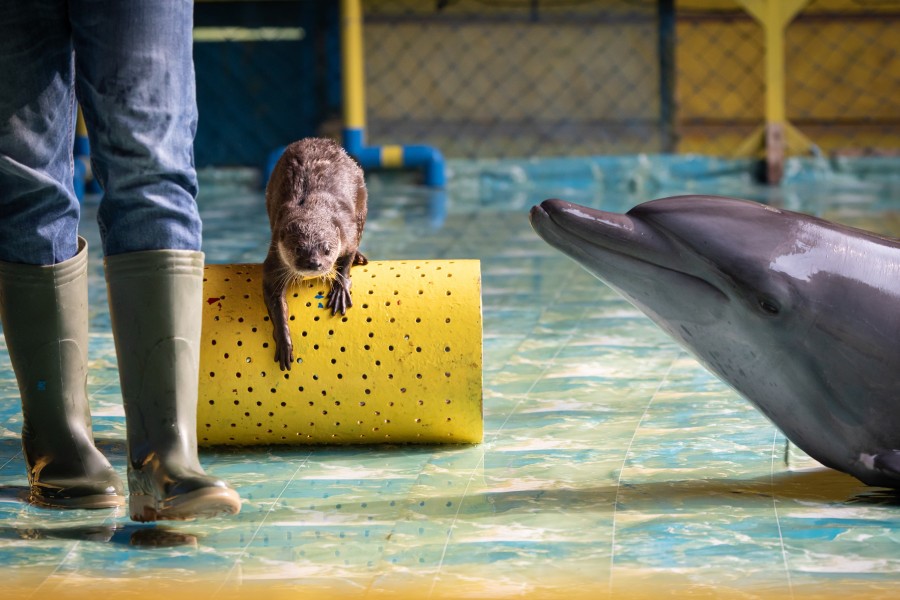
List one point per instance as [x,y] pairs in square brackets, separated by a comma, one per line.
[768,306]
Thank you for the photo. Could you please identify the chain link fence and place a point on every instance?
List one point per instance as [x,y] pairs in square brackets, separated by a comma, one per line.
[843,75]
[519,78]
[515,78]
[502,78]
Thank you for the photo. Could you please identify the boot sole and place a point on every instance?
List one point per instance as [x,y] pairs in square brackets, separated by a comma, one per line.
[203,503]
[98,501]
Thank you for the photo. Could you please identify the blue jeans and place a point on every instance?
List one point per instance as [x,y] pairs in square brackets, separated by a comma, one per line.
[129,63]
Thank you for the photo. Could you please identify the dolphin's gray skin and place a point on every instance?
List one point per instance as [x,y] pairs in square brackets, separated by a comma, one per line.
[800,315]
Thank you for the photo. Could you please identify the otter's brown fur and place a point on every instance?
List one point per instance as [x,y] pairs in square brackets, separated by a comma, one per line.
[317,204]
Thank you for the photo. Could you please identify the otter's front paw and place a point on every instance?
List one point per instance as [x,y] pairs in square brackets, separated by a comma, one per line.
[284,350]
[339,296]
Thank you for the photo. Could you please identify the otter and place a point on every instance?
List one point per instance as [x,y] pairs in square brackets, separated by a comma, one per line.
[317,202]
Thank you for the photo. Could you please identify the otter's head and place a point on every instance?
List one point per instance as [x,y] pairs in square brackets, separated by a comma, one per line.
[309,250]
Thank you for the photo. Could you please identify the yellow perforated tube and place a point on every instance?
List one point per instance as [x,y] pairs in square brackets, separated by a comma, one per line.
[403,365]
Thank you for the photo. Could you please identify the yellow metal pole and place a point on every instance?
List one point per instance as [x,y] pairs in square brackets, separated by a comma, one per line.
[353,74]
[774,16]
[80,127]
[777,135]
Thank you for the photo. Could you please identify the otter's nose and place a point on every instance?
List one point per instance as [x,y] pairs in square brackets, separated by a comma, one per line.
[310,264]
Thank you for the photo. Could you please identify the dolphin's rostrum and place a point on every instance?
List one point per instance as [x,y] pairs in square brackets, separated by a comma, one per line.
[799,315]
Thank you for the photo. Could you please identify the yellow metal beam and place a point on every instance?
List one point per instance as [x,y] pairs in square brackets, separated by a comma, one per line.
[353,71]
[80,127]
[774,17]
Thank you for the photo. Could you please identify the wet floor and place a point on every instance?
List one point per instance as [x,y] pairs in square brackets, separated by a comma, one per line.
[613,465]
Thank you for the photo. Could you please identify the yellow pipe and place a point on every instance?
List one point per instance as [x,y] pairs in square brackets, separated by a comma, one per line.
[391,156]
[403,365]
[353,73]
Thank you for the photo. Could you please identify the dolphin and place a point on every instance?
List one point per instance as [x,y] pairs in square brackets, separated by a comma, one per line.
[800,315]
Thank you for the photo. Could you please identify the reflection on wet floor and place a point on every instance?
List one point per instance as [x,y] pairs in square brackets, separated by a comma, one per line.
[613,465]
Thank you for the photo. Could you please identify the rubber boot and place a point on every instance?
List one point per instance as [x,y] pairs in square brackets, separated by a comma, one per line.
[155,301]
[44,310]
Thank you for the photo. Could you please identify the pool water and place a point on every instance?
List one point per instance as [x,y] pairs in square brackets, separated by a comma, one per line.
[613,465]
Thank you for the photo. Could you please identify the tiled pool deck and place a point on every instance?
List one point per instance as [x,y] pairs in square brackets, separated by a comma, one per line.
[613,465]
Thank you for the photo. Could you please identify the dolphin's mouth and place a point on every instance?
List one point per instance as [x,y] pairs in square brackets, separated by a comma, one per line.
[621,249]
[569,227]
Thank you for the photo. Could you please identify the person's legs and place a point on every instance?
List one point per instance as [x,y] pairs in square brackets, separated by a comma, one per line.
[43,267]
[136,86]
[38,208]
[135,82]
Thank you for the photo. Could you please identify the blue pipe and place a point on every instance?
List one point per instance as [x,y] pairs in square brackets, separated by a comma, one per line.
[427,158]
[430,160]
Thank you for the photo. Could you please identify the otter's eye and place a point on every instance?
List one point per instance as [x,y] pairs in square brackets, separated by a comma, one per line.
[326,248]
[769,306]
